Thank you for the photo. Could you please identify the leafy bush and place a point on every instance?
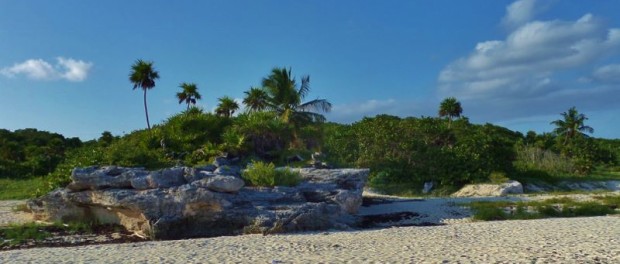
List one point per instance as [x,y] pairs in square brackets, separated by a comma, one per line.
[408,152]
[497,177]
[266,174]
[264,133]
[28,152]
[87,155]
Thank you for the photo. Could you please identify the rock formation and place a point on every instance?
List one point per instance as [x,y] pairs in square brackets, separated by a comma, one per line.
[185,202]
[511,187]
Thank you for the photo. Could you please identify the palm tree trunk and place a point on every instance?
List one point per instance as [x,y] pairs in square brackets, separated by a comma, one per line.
[146,111]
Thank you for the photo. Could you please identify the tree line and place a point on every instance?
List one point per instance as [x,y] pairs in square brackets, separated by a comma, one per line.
[278,124]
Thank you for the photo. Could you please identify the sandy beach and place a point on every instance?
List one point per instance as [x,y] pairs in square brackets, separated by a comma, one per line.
[560,240]
[567,240]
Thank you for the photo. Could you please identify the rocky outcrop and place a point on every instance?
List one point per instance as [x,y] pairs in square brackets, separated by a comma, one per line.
[185,202]
[613,186]
[511,187]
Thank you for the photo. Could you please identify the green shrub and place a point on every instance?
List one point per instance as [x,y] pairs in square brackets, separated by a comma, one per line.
[588,209]
[265,174]
[536,159]
[489,213]
[498,177]
[555,207]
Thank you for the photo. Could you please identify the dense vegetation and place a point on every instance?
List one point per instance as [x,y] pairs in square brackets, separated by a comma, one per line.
[276,124]
[28,152]
[554,207]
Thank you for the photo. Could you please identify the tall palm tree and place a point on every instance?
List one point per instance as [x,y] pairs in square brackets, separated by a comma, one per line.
[226,107]
[285,98]
[451,108]
[256,100]
[143,76]
[189,95]
[572,125]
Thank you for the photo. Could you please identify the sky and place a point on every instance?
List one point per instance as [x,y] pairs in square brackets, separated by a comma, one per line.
[64,65]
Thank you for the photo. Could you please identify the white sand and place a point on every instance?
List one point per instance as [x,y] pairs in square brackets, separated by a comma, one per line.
[569,240]
[8,216]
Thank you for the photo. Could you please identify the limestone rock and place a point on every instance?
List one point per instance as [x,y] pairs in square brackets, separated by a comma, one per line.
[511,187]
[177,203]
[159,179]
[348,200]
[95,178]
[222,183]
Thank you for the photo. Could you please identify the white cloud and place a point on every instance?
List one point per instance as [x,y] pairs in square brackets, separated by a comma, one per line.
[608,74]
[351,112]
[74,70]
[38,69]
[519,13]
[34,69]
[537,69]
[529,58]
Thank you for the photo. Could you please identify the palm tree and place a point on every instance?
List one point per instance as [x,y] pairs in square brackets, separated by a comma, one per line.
[286,99]
[255,100]
[451,108]
[143,76]
[189,95]
[572,125]
[226,107]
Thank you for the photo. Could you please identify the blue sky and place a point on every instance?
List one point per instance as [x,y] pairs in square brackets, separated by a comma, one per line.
[64,65]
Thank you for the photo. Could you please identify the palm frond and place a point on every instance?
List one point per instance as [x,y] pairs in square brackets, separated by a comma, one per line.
[317,104]
[304,87]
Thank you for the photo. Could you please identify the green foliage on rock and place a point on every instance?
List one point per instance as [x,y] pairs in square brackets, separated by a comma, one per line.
[266,174]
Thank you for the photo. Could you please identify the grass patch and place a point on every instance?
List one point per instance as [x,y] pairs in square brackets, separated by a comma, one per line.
[554,207]
[266,174]
[539,177]
[19,233]
[611,201]
[17,189]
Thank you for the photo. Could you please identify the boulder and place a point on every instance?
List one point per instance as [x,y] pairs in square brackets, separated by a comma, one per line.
[222,183]
[349,201]
[511,187]
[164,204]
[95,178]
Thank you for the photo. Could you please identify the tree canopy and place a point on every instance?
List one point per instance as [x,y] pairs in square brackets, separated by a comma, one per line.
[143,76]
[572,125]
[189,94]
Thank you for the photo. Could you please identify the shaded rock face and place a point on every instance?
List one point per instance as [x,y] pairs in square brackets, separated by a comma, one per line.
[511,187]
[185,202]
